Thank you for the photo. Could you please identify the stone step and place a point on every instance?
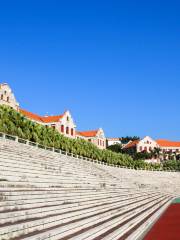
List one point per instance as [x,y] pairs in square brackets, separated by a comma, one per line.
[51,221]
[64,207]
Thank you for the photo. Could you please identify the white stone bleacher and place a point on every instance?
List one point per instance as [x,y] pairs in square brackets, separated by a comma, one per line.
[164,181]
[47,195]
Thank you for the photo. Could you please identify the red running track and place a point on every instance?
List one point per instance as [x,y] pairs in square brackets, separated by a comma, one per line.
[168,225]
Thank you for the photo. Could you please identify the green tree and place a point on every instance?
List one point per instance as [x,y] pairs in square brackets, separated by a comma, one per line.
[14,123]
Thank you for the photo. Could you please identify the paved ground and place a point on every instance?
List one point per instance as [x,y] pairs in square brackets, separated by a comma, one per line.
[168,225]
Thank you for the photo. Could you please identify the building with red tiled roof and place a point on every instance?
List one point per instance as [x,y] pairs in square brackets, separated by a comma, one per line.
[146,144]
[169,149]
[91,133]
[96,137]
[131,144]
[168,144]
[31,116]
[63,123]
[50,119]
[40,119]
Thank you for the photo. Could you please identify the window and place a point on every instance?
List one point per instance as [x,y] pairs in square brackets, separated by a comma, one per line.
[53,126]
[89,140]
[1,96]
[62,128]
[7,99]
[98,141]
[5,92]
[67,118]
[72,131]
[145,149]
[140,148]
[67,130]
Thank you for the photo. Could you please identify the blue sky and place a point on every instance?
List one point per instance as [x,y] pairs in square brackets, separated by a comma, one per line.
[113,64]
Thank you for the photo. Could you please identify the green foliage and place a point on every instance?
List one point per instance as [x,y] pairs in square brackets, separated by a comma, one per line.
[116,148]
[14,123]
[142,155]
[126,139]
[155,153]
[172,165]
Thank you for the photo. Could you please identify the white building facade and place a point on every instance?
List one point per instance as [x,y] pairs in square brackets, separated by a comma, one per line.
[97,137]
[147,144]
[113,141]
[7,97]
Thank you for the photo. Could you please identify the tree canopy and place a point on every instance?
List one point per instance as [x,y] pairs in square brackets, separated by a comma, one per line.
[126,139]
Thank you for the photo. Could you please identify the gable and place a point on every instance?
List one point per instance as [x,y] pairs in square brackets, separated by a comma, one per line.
[67,119]
[100,133]
[7,97]
[148,142]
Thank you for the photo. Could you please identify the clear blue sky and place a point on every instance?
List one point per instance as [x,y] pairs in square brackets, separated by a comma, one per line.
[113,64]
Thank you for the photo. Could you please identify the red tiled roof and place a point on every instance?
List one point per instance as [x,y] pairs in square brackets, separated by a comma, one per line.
[51,118]
[78,133]
[31,115]
[38,118]
[132,144]
[167,143]
[92,133]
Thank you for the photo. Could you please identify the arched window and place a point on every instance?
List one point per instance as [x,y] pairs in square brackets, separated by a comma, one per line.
[140,148]
[1,96]
[7,99]
[72,131]
[62,128]
[67,130]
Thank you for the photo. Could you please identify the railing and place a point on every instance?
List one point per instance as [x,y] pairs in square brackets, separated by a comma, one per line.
[62,152]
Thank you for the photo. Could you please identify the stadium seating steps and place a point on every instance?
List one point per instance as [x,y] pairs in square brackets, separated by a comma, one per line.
[48,195]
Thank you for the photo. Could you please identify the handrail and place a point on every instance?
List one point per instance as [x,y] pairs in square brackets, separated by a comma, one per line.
[62,152]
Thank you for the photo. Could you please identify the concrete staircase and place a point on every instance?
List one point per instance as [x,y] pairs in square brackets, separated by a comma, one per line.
[46,195]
